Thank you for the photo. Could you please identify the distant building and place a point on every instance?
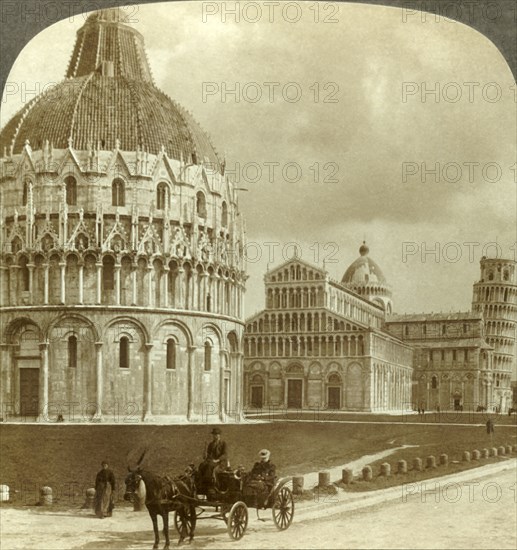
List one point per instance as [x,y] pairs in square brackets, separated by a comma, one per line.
[320,343]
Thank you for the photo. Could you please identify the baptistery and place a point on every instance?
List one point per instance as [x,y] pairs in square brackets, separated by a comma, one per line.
[122,273]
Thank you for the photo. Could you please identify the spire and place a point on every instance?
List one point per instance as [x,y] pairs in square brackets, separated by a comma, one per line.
[107,45]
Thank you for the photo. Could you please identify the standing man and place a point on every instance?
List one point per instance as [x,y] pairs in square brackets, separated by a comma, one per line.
[104,490]
[216,456]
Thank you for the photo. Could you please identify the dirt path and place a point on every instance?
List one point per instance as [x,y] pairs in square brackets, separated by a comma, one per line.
[442,514]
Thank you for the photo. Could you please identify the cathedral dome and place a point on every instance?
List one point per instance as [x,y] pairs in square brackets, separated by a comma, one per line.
[363,270]
[109,101]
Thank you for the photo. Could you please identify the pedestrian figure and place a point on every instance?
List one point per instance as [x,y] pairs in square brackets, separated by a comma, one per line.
[490,426]
[104,489]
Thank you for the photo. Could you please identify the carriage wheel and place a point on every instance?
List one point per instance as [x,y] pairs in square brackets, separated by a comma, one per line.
[283,508]
[182,524]
[237,520]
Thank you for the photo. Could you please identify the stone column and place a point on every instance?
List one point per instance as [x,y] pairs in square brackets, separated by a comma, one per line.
[165,287]
[195,289]
[221,387]
[31,267]
[203,289]
[148,384]
[99,379]
[117,284]
[150,300]
[133,284]
[98,265]
[62,290]
[191,350]
[43,389]
[45,283]
[180,293]
[81,282]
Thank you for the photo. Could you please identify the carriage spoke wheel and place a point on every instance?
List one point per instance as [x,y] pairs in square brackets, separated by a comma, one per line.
[283,508]
[237,520]
[183,525]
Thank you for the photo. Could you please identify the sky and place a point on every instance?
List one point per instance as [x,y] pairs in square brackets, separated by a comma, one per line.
[343,146]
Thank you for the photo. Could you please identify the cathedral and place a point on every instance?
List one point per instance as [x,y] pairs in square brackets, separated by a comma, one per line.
[121,266]
[324,344]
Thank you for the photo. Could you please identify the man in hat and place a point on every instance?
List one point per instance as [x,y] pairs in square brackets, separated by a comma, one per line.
[104,489]
[215,457]
[262,477]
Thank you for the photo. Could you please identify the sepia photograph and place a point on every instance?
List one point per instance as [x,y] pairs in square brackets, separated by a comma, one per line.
[258,274]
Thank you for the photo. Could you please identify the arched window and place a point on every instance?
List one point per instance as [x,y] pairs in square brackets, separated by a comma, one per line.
[208,355]
[434,382]
[118,193]
[491,276]
[72,352]
[162,196]
[123,358]
[25,193]
[201,205]
[24,274]
[224,215]
[171,353]
[406,330]
[71,191]
[108,269]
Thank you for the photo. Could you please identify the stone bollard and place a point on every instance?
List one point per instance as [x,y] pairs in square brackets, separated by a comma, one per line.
[385,469]
[4,493]
[485,453]
[347,476]
[493,451]
[431,462]
[444,459]
[45,496]
[508,449]
[501,450]
[417,464]
[476,454]
[402,467]
[90,499]
[298,485]
[323,479]
[466,456]
[367,473]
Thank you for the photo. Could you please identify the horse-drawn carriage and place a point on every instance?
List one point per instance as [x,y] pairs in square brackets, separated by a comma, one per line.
[231,496]
[228,499]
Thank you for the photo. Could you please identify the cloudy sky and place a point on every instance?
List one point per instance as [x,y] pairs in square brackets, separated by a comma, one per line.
[348,139]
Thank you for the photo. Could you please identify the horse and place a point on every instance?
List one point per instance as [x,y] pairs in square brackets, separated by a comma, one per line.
[163,495]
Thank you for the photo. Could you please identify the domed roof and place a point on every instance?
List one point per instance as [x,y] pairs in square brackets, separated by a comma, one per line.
[109,100]
[363,270]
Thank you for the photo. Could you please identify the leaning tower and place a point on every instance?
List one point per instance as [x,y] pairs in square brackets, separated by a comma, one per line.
[495,296]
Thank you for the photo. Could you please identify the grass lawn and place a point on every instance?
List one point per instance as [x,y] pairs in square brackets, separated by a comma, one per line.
[67,457]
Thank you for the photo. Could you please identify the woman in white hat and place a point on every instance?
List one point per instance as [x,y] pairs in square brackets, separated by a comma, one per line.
[263,476]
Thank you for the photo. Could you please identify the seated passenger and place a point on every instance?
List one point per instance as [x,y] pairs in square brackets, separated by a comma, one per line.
[262,477]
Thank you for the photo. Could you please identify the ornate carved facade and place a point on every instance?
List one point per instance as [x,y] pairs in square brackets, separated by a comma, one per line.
[319,344]
[122,275]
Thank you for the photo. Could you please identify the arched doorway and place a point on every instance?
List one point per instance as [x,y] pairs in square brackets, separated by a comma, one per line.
[257,392]
[334,386]
[294,387]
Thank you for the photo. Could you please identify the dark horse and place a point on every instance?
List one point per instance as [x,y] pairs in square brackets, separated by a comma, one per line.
[164,495]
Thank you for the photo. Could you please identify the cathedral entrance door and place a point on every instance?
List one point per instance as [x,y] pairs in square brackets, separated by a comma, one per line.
[29,391]
[457,404]
[257,396]
[334,397]
[294,394]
